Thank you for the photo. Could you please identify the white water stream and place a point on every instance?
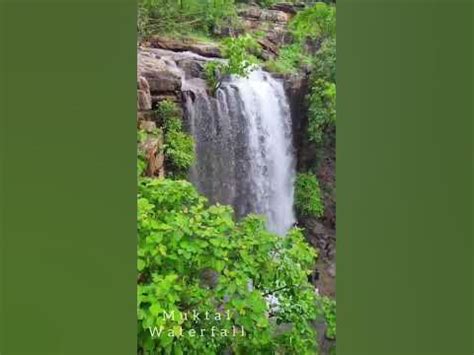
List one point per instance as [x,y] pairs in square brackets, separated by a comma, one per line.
[245,155]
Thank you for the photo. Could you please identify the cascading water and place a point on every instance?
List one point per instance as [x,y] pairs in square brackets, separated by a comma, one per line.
[244,149]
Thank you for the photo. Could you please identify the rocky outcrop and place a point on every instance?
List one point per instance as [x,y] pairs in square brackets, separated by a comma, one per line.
[296,87]
[288,8]
[143,95]
[151,148]
[210,50]
[257,13]
[157,73]
[160,78]
[272,22]
[320,232]
[155,82]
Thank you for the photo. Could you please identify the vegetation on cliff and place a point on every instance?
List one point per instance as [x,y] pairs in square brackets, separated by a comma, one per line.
[179,146]
[308,196]
[194,257]
[240,60]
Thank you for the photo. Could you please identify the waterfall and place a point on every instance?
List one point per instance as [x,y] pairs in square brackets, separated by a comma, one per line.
[245,156]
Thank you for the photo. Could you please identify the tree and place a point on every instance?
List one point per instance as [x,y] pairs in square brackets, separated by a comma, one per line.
[240,60]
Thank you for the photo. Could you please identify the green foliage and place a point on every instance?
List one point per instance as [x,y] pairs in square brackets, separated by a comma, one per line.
[183,16]
[315,23]
[318,21]
[322,109]
[141,159]
[324,64]
[240,60]
[328,307]
[308,196]
[322,95]
[195,257]
[212,71]
[289,60]
[178,145]
[238,51]
[266,3]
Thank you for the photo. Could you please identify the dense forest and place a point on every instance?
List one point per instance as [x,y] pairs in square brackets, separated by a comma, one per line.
[214,277]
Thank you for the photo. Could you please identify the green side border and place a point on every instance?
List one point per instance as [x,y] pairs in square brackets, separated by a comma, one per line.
[404,177]
[68,197]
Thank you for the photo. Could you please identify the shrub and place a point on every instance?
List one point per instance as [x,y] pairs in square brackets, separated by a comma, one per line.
[308,196]
[324,64]
[183,16]
[195,257]
[322,109]
[315,23]
[178,145]
[290,58]
[318,21]
[240,60]
[328,307]
[141,159]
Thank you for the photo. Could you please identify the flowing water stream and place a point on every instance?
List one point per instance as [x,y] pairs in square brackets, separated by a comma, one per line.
[245,155]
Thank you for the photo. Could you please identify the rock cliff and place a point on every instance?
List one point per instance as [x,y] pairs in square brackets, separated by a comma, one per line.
[167,65]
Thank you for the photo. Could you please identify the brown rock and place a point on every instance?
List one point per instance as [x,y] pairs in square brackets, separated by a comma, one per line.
[275,16]
[256,13]
[251,12]
[268,46]
[205,49]
[288,8]
[148,126]
[152,149]
[155,76]
[192,68]
[143,100]
[146,116]
[143,95]
[162,81]
[143,84]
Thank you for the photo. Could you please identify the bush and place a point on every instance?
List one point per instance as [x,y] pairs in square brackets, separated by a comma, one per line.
[308,196]
[315,23]
[178,145]
[322,109]
[183,16]
[318,21]
[324,65]
[240,60]
[290,58]
[193,257]
[328,307]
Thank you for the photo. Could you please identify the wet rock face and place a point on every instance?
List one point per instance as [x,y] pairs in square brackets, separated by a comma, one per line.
[163,82]
[296,87]
[320,232]
[192,68]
